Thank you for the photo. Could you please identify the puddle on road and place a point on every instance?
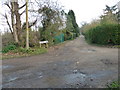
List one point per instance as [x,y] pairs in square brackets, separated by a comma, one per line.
[76,78]
[13,79]
[7,66]
[67,79]
[8,80]
[40,75]
[88,50]
[72,78]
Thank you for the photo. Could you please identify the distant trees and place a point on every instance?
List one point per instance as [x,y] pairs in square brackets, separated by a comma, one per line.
[110,15]
[111,9]
[51,20]
[48,16]
[74,23]
[114,11]
[53,25]
[69,28]
[104,31]
[71,25]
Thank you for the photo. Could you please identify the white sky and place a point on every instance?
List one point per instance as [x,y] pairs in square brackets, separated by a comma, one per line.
[85,10]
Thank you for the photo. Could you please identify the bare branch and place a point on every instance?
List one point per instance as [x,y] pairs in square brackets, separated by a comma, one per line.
[30,24]
[23,12]
[22,6]
[8,23]
[8,6]
[33,23]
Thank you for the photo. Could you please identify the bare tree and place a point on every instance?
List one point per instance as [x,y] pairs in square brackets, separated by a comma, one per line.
[15,19]
[16,10]
[13,22]
[15,26]
[6,17]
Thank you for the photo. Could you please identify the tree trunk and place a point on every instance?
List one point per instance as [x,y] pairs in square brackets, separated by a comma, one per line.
[18,20]
[13,23]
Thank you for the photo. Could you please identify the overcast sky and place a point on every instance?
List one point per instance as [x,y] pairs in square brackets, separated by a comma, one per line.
[85,10]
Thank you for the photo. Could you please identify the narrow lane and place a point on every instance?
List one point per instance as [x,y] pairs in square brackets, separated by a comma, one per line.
[73,65]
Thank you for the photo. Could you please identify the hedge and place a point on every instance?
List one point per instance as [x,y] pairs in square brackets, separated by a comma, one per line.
[108,34]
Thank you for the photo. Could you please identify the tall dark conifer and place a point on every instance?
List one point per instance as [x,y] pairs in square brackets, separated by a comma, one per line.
[75,25]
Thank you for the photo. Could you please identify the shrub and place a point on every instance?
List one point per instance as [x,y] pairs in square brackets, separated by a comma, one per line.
[7,38]
[114,85]
[88,26]
[33,38]
[30,51]
[8,48]
[104,34]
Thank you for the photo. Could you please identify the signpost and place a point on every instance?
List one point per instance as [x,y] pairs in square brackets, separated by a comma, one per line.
[43,42]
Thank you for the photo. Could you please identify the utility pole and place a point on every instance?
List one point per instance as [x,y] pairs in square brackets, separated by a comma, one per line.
[27,30]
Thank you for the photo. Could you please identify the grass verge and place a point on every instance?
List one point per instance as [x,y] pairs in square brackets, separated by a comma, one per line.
[22,52]
[114,86]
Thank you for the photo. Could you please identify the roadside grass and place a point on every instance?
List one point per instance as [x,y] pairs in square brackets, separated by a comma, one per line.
[114,86]
[22,52]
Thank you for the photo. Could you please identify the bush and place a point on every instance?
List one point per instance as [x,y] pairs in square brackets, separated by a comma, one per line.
[33,38]
[7,38]
[8,48]
[30,51]
[88,26]
[104,34]
[114,85]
